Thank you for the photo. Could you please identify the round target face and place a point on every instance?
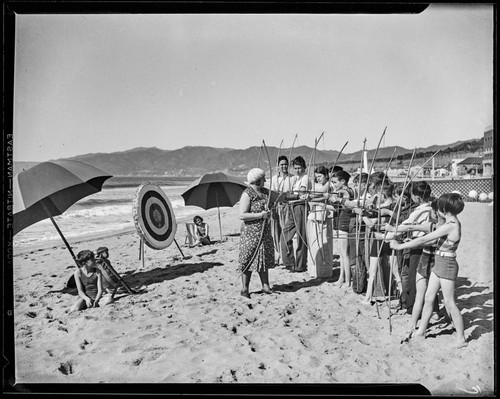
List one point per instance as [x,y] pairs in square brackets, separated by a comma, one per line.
[154,217]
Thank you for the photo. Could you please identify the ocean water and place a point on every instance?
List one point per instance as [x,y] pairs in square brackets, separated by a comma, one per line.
[108,211]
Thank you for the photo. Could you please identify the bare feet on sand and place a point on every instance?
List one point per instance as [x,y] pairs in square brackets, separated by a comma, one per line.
[461,344]
[408,336]
[460,341]
[245,294]
[416,337]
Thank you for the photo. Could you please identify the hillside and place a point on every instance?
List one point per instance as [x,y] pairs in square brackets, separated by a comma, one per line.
[196,161]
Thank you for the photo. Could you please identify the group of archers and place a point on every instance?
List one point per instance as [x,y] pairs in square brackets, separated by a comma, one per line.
[368,222]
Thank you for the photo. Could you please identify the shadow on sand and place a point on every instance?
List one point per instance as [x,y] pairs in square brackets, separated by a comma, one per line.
[140,279]
[299,285]
[476,306]
[212,252]
[314,282]
[159,275]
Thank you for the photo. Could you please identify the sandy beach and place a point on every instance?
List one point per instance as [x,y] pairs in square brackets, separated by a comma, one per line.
[190,324]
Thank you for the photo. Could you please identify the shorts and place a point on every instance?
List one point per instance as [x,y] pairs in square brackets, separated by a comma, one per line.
[445,267]
[425,264]
[340,234]
[340,242]
[384,251]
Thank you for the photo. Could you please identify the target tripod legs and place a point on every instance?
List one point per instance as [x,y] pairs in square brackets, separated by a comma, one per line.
[180,250]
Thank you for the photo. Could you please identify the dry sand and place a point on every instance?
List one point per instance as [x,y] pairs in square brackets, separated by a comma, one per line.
[191,325]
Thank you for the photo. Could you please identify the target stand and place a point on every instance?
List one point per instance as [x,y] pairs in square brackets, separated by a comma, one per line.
[154,219]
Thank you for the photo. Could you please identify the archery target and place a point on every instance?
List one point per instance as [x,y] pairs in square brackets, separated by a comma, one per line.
[154,217]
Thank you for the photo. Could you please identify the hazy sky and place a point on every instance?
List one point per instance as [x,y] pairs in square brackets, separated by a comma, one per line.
[106,83]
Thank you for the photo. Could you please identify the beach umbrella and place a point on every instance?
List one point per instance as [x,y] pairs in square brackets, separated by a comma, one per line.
[214,190]
[50,188]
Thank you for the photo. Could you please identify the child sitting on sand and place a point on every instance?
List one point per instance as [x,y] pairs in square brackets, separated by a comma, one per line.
[88,279]
[201,231]
[109,281]
[445,270]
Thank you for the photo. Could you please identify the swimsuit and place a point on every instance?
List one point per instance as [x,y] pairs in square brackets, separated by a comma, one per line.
[446,265]
[376,244]
[426,263]
[343,220]
[89,284]
[427,259]
[201,232]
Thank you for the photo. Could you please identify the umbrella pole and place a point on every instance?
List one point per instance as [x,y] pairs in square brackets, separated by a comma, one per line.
[220,226]
[218,211]
[74,257]
[64,240]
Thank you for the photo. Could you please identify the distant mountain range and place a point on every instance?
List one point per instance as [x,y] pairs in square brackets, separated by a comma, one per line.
[196,161]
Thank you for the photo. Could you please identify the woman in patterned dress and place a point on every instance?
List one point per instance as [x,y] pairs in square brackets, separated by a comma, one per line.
[256,242]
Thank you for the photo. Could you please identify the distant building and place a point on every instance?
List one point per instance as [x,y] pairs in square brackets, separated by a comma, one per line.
[488,152]
[455,167]
[470,166]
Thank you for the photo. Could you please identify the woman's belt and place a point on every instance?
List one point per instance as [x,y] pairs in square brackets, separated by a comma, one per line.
[446,254]
[426,251]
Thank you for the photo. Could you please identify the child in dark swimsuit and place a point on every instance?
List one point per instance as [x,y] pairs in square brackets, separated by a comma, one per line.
[343,193]
[445,270]
[88,279]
